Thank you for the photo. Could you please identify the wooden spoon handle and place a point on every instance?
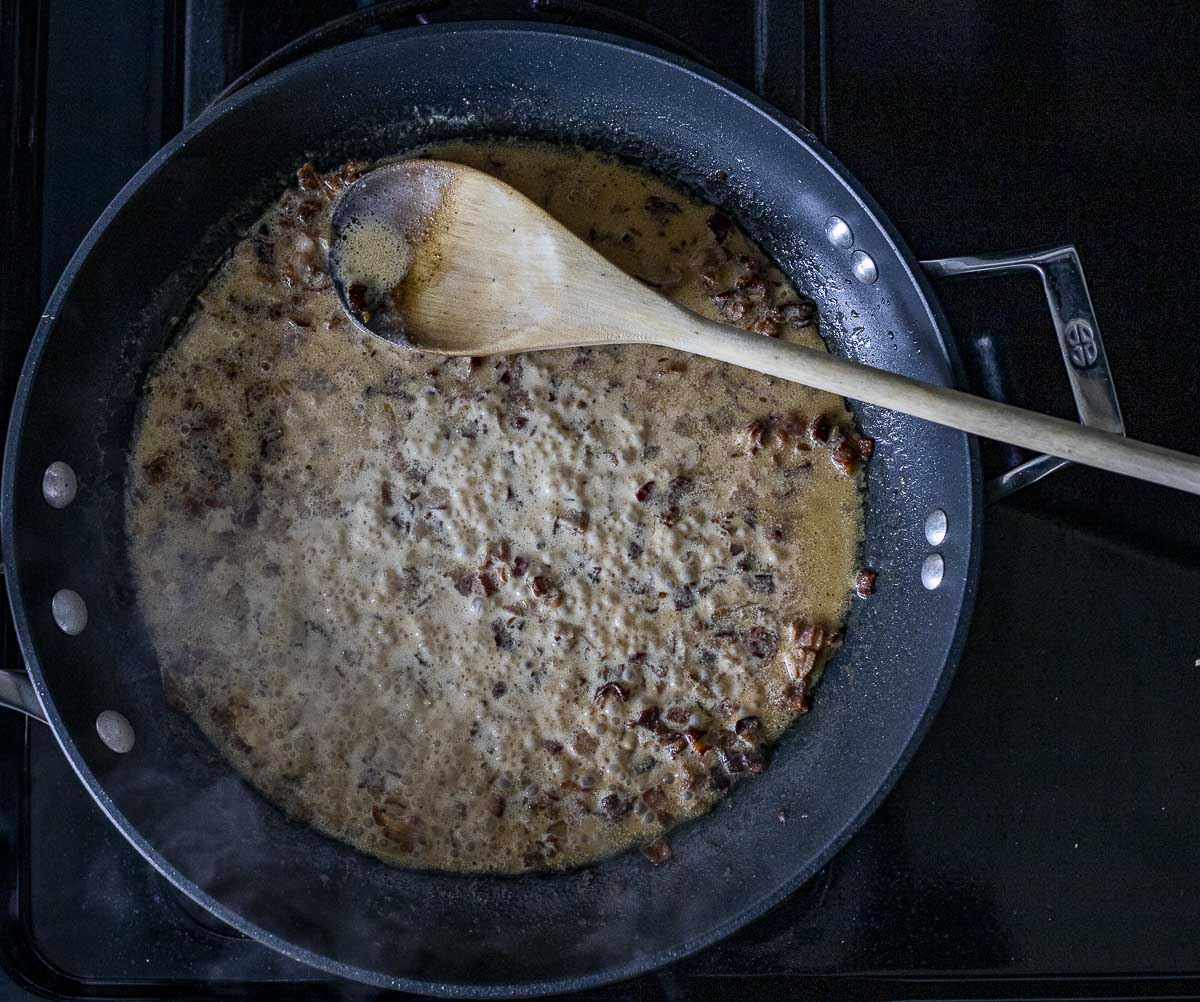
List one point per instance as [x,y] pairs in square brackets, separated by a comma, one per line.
[944,406]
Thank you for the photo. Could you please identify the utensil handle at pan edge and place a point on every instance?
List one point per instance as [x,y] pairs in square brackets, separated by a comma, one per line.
[939,404]
[16,693]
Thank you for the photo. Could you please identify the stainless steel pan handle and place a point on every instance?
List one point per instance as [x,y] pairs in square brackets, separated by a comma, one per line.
[1078,338]
[16,692]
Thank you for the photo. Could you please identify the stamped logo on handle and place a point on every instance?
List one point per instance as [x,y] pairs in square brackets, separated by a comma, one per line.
[1081,344]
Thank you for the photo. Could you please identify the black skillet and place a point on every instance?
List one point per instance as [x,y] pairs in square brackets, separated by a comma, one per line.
[175,800]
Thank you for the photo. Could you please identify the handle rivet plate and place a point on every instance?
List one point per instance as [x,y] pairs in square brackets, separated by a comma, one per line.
[69,611]
[932,571]
[59,485]
[838,233]
[115,731]
[935,527]
[863,266]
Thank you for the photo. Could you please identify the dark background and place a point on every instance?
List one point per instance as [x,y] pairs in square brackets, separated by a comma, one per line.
[1045,840]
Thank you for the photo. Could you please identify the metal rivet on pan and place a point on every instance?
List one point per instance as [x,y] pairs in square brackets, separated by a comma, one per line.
[69,611]
[932,571]
[935,527]
[838,233]
[115,731]
[59,485]
[863,266]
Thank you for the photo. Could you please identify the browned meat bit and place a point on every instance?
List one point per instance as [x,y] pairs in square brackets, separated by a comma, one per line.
[544,588]
[385,493]
[753,283]
[767,327]
[732,304]
[678,715]
[697,737]
[649,717]
[843,455]
[583,743]
[754,434]
[541,799]
[499,689]
[517,409]
[794,698]
[808,636]
[692,776]
[794,425]
[671,742]
[655,799]
[778,438]
[764,584]
[818,429]
[502,635]
[519,566]
[763,642]
[658,852]
[551,747]
[291,340]
[720,225]
[661,208]
[736,761]
[307,177]
[465,584]
[493,572]
[749,729]
[226,715]
[864,583]
[157,469]
[356,296]
[614,806]
[307,210]
[798,314]
[847,450]
[683,597]
[646,491]
[398,830]
[610,690]
[719,780]
[547,845]
[807,641]
[348,173]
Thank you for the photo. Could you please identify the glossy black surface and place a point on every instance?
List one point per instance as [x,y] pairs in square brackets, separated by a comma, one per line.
[1044,840]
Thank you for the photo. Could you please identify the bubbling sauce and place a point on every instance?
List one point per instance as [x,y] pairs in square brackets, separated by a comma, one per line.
[491,615]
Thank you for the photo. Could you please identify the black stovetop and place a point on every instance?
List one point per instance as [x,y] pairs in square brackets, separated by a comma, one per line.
[1045,840]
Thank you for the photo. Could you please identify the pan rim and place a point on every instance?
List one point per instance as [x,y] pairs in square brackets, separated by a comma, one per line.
[8,537]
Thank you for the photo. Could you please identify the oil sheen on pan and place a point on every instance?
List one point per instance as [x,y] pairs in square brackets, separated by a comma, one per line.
[492,615]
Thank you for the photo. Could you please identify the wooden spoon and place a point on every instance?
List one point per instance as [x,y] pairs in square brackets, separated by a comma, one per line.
[444,258]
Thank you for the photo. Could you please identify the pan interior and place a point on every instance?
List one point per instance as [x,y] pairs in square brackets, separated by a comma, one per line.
[114,312]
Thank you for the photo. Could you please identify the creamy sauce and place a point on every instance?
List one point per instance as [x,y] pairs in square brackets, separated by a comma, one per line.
[499,615]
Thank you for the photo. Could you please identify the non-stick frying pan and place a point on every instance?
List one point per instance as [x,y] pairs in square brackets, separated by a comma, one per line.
[176,800]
